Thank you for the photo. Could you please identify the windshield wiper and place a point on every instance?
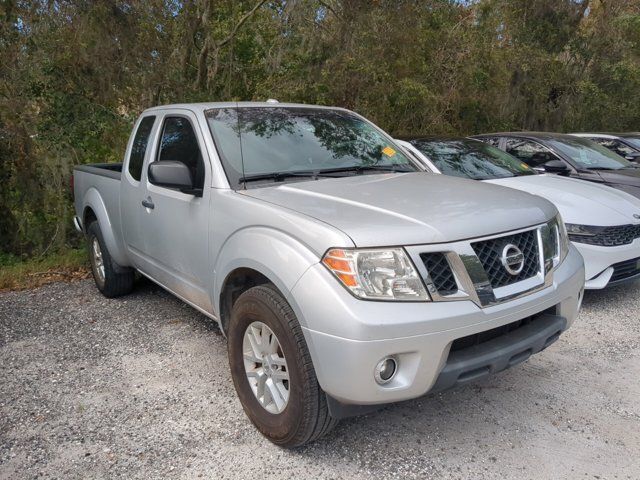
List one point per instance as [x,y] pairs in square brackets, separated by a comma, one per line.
[364,168]
[325,173]
[281,176]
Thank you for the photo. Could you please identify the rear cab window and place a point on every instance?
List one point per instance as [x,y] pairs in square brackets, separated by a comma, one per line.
[139,146]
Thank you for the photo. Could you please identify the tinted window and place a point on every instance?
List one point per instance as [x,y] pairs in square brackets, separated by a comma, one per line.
[472,159]
[277,139]
[614,145]
[588,154]
[179,143]
[495,141]
[139,147]
[635,141]
[531,153]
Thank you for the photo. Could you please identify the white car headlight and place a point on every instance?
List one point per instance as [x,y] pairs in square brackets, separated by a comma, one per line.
[376,274]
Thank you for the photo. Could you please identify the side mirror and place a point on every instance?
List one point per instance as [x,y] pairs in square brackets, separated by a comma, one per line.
[633,157]
[556,166]
[172,174]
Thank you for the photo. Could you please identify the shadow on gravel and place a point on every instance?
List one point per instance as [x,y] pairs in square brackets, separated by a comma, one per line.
[611,294]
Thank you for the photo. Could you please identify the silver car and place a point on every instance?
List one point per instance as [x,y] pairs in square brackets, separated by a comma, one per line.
[343,276]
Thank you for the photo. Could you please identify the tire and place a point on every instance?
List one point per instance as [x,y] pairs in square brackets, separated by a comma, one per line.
[305,416]
[111,279]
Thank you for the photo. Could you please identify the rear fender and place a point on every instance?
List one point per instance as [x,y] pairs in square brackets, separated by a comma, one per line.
[93,200]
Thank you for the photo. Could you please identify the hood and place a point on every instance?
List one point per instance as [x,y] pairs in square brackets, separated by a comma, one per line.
[410,208]
[579,201]
[626,176]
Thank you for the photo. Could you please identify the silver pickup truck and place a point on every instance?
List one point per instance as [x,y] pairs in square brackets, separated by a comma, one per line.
[342,275]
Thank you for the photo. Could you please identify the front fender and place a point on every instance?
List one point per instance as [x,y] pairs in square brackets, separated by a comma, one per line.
[92,199]
[275,254]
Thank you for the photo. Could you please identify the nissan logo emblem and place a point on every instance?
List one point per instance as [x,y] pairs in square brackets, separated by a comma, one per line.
[512,259]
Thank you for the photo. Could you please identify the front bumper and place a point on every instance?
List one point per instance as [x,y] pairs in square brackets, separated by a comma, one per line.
[599,261]
[348,337]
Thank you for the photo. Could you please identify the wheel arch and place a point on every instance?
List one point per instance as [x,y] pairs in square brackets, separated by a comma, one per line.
[256,256]
[94,208]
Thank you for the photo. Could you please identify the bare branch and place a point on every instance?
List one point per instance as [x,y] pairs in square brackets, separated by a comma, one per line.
[241,22]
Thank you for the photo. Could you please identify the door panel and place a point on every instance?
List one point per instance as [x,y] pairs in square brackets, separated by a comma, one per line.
[176,224]
[132,188]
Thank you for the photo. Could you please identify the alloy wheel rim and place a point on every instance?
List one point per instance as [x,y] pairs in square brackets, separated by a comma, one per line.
[98,261]
[266,367]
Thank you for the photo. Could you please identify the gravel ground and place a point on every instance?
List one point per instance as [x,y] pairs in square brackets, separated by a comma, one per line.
[139,387]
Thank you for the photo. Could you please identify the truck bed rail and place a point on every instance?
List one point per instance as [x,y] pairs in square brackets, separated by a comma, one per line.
[111,170]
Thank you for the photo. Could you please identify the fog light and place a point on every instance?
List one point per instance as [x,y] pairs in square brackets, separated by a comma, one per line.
[385,370]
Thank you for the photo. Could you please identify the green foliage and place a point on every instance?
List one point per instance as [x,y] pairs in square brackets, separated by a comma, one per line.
[74,75]
[17,273]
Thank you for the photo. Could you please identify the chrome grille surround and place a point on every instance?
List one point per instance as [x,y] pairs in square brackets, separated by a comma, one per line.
[472,278]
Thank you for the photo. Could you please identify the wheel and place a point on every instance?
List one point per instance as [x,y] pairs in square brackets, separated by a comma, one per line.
[272,370]
[111,279]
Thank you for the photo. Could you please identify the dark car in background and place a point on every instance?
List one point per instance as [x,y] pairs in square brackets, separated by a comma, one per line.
[626,145]
[569,155]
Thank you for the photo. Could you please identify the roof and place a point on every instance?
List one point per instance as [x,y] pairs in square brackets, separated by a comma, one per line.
[535,135]
[432,138]
[608,134]
[209,105]
[596,135]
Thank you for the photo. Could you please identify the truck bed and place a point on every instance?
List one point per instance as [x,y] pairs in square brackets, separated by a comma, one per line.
[111,170]
[97,188]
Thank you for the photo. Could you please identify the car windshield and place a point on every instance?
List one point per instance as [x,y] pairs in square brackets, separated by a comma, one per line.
[588,154]
[634,141]
[294,142]
[472,159]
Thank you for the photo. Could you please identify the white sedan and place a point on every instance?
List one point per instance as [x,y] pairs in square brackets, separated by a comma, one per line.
[603,223]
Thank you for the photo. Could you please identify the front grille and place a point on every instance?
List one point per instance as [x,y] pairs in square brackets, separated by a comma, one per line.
[489,253]
[610,236]
[626,269]
[440,272]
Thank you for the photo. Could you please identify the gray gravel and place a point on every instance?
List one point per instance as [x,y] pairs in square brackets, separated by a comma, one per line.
[139,387]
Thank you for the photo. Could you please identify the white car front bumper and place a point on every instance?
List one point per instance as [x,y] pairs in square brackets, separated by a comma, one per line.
[607,265]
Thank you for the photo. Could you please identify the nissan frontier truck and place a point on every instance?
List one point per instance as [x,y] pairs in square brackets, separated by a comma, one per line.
[343,276]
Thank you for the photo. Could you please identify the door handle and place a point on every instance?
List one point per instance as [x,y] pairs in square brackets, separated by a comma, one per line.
[148,203]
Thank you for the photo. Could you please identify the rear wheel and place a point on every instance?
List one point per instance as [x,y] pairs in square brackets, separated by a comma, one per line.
[111,279]
[272,370]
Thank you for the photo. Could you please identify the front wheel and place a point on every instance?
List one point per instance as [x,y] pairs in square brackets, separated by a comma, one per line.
[272,370]
[111,279]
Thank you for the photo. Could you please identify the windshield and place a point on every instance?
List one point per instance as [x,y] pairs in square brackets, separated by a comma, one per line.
[634,141]
[290,140]
[588,154]
[472,159]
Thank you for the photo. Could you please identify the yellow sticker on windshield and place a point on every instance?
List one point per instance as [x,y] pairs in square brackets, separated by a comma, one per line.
[388,151]
[525,166]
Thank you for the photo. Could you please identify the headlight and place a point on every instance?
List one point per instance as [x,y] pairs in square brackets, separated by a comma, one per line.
[564,237]
[581,233]
[376,274]
[555,243]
